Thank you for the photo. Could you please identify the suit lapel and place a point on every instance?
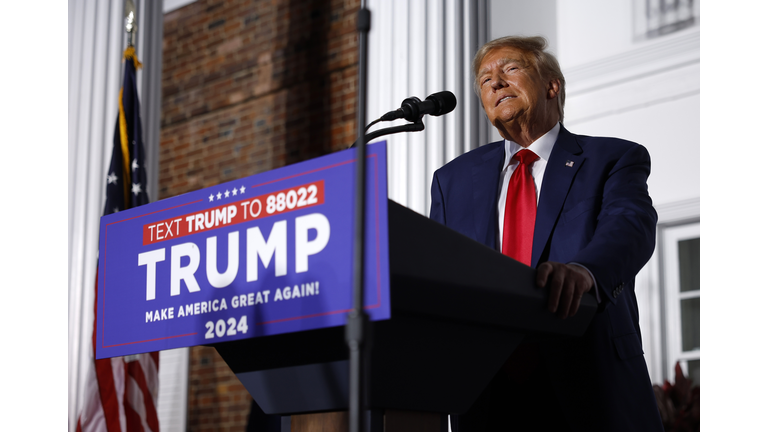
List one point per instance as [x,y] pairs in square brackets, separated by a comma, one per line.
[485,184]
[561,169]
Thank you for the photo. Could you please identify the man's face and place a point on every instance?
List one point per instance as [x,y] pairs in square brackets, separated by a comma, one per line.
[513,94]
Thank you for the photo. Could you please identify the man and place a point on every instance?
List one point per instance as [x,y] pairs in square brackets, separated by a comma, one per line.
[577,209]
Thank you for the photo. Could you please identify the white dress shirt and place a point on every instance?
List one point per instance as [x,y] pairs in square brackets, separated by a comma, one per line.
[543,148]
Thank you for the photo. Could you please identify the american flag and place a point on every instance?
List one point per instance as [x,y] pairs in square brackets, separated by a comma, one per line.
[121,392]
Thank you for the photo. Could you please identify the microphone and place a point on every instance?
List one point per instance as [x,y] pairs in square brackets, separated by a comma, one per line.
[412,109]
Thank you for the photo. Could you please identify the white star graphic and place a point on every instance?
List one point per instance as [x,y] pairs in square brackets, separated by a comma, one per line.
[234,191]
[242,189]
[134,165]
[210,198]
[226,194]
[136,188]
[218,196]
[111,178]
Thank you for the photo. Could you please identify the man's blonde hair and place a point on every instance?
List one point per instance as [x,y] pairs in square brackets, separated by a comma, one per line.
[546,64]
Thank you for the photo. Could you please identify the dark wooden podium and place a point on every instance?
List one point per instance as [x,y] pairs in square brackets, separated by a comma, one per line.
[459,309]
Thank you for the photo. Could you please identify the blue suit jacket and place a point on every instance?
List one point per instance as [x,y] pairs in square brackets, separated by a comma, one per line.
[593,209]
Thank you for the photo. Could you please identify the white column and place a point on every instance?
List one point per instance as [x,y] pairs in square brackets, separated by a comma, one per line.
[95,53]
[418,48]
[96,40]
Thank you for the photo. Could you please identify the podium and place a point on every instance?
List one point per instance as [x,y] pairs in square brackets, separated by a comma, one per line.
[229,266]
[458,311]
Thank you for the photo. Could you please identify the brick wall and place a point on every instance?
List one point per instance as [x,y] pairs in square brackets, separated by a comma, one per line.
[249,86]
[217,401]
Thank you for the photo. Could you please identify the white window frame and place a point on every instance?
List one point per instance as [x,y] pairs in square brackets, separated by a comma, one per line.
[671,297]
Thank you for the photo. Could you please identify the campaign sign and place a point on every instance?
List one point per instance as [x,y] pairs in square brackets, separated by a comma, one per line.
[268,254]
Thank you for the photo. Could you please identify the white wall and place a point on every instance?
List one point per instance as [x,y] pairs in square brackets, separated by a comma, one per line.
[669,130]
[591,30]
[169,5]
[645,91]
[534,18]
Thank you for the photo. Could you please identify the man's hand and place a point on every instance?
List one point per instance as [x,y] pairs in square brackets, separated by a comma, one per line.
[567,284]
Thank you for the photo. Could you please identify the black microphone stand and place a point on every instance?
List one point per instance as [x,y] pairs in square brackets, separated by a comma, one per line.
[416,126]
[357,321]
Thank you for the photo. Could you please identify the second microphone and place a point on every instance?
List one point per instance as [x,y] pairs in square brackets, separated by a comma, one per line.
[412,109]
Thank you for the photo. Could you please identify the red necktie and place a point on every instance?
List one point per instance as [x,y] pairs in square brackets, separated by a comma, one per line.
[520,210]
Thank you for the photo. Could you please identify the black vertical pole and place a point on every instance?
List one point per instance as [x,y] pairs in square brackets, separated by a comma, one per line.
[357,319]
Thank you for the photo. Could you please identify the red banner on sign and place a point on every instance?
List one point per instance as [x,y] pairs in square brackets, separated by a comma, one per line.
[274,203]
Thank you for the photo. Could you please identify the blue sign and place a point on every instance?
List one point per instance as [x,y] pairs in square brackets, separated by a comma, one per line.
[264,255]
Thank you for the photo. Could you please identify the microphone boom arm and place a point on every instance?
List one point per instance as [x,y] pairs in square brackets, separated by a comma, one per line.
[416,126]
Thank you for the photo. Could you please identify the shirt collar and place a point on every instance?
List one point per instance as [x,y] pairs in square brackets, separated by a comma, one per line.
[542,146]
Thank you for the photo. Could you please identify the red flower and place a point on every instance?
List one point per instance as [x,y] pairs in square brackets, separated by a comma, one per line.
[678,403]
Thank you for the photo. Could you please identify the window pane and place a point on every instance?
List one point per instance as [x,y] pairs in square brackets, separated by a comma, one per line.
[693,371]
[689,317]
[688,254]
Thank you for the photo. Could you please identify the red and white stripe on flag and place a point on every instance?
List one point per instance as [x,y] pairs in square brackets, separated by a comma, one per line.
[120,394]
